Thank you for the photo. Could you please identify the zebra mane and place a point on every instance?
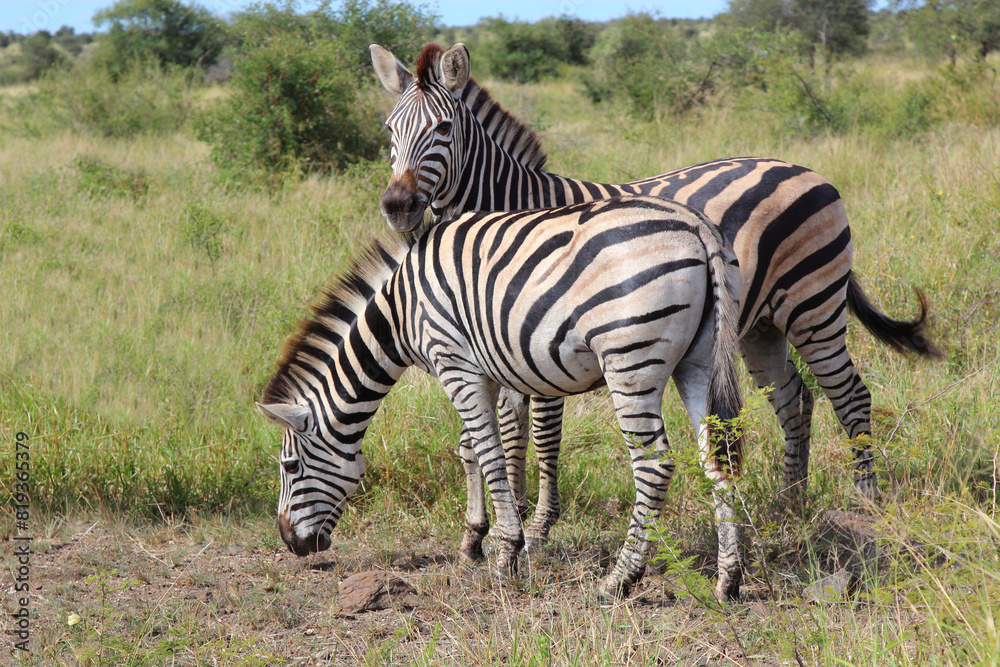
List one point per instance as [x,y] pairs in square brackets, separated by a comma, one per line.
[512,135]
[334,311]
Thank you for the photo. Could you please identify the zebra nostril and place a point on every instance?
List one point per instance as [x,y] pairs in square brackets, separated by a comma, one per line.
[291,466]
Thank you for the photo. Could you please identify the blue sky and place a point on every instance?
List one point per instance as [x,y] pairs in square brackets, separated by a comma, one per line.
[26,16]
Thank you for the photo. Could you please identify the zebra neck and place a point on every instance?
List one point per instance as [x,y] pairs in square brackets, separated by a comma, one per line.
[365,367]
[494,180]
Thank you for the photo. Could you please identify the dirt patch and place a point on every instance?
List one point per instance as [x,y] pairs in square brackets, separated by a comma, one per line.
[174,594]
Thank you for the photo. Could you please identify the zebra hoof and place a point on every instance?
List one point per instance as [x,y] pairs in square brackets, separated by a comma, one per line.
[472,556]
[613,590]
[534,539]
[727,592]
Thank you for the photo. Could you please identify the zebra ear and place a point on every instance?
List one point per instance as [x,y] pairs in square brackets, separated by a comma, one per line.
[393,76]
[455,67]
[285,415]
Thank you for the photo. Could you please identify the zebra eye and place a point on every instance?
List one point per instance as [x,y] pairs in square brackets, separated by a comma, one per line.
[444,127]
[291,466]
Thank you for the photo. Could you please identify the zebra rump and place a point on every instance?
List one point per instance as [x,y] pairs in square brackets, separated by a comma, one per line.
[625,293]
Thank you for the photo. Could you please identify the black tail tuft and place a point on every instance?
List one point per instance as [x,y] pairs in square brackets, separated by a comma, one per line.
[899,335]
[725,402]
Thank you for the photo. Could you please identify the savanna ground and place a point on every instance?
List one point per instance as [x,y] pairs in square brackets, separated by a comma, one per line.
[144,307]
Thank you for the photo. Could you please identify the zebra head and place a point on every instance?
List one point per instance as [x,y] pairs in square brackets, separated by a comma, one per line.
[425,126]
[318,475]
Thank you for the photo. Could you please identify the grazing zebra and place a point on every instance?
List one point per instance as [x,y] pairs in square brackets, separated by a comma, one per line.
[455,149]
[624,292]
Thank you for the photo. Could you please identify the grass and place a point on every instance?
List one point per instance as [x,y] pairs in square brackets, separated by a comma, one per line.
[144,307]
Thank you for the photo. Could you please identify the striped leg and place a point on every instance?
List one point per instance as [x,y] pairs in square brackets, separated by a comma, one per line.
[835,372]
[512,415]
[475,399]
[477,522]
[638,411]
[692,383]
[766,354]
[820,336]
[546,431]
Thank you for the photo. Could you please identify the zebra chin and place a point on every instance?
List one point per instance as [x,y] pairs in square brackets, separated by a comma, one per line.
[407,221]
[317,541]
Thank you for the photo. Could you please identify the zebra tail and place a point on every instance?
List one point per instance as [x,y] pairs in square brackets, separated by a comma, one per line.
[725,400]
[899,335]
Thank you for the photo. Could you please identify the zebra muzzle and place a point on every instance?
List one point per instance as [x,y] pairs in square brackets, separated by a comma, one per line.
[402,206]
[319,541]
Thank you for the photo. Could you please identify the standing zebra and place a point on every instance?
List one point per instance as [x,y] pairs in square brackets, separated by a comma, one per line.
[455,149]
[624,292]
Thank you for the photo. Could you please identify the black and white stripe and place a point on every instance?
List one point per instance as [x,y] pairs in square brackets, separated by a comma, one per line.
[625,292]
[786,224]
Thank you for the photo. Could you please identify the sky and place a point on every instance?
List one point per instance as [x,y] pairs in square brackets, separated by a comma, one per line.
[28,16]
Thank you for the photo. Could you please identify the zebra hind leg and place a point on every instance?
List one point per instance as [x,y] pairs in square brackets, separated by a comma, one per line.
[546,431]
[765,352]
[512,418]
[692,378]
[639,415]
[852,403]
[477,522]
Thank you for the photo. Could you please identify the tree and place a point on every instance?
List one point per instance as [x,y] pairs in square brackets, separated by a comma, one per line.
[167,31]
[833,26]
[953,27]
[294,103]
[39,55]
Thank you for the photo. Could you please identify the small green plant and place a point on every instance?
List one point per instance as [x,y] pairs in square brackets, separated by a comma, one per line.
[203,229]
[99,180]
[110,647]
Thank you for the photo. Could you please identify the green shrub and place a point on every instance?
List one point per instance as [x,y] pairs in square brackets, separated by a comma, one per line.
[99,180]
[650,65]
[144,99]
[528,52]
[39,55]
[293,107]
[202,228]
[401,27]
[968,92]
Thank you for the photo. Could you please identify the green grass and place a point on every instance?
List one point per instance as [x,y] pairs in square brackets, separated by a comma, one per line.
[145,304]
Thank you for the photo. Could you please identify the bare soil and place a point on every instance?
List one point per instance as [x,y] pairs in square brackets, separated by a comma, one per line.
[109,594]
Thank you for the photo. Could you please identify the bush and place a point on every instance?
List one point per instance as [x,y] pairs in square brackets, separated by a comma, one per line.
[143,99]
[99,180]
[527,52]
[401,27]
[653,67]
[39,55]
[293,107]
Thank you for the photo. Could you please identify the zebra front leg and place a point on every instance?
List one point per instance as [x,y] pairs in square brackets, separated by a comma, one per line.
[475,398]
[477,523]
[546,431]
[512,417]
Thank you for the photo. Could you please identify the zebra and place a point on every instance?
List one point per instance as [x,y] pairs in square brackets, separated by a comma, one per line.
[455,149]
[624,292]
